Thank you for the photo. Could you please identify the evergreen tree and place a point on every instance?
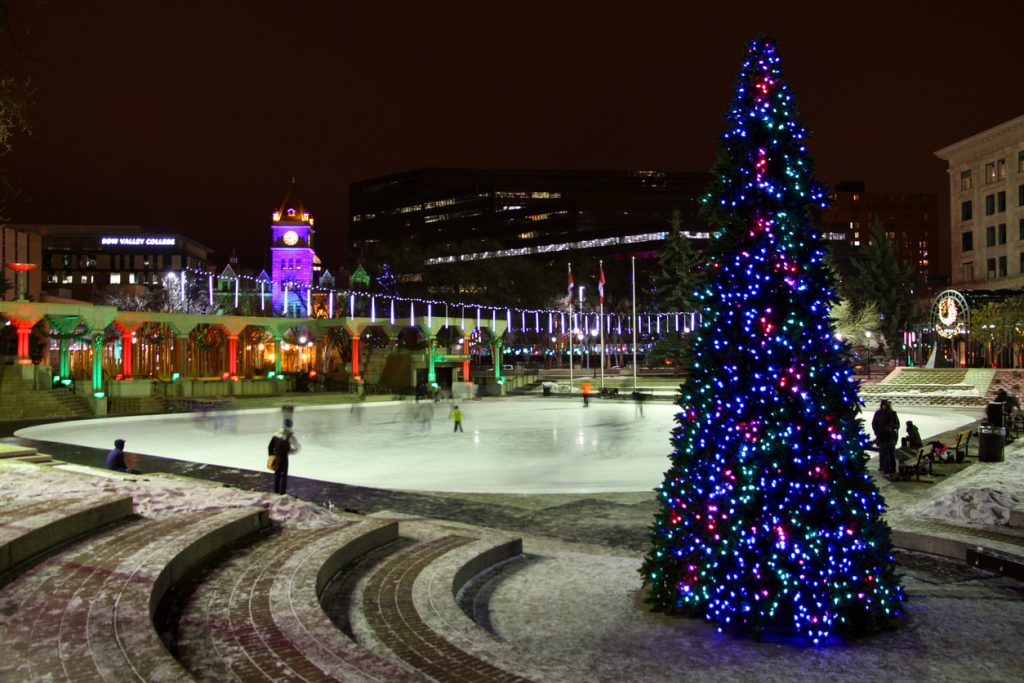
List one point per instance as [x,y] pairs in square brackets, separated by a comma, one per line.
[768,519]
[679,276]
[878,277]
[679,273]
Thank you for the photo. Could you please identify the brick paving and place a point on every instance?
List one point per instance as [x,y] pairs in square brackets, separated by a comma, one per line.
[84,614]
[256,617]
[390,612]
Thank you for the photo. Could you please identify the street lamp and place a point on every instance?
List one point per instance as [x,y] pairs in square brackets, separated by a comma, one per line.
[21,270]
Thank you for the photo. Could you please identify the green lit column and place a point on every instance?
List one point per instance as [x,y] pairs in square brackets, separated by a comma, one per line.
[97,363]
[498,359]
[431,373]
[277,356]
[64,346]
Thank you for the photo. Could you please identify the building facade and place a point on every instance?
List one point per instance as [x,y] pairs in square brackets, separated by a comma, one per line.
[449,213]
[986,206]
[77,261]
[909,218]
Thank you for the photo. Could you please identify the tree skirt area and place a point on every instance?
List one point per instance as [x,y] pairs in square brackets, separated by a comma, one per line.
[577,609]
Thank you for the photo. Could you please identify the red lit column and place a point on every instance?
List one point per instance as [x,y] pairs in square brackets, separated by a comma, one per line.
[127,331]
[233,354]
[355,358]
[465,363]
[126,355]
[24,332]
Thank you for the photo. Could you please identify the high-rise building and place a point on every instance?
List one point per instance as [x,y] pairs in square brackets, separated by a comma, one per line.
[909,218]
[450,213]
[986,206]
[292,258]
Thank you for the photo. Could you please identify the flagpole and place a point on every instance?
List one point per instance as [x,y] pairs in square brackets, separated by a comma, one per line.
[600,322]
[571,331]
[633,325]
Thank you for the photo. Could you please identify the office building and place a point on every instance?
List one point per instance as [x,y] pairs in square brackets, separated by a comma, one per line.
[986,204]
[453,215]
[909,218]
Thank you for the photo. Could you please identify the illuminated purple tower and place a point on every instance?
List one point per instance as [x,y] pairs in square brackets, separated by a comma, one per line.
[291,248]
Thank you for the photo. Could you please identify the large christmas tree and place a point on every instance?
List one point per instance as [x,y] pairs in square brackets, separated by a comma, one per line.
[769,520]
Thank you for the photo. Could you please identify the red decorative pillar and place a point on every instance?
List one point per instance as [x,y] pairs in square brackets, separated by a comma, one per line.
[465,363]
[233,354]
[127,331]
[355,359]
[24,329]
[126,355]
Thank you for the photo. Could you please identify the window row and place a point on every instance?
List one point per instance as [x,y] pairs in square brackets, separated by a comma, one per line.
[994,171]
[994,235]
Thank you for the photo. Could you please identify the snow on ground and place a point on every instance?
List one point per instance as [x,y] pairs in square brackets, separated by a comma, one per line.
[580,606]
[509,445]
[153,496]
[984,493]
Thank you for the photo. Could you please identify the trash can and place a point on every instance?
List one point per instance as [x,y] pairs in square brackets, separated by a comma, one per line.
[546,389]
[994,413]
[990,444]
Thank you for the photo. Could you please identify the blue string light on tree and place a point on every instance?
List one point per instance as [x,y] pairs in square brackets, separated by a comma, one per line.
[769,521]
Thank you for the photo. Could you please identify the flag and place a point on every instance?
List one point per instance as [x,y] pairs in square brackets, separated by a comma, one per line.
[600,284]
[568,300]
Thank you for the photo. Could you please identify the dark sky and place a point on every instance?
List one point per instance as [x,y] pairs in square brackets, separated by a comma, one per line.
[193,116]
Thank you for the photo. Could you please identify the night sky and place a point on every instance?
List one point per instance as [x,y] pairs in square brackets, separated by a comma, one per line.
[192,117]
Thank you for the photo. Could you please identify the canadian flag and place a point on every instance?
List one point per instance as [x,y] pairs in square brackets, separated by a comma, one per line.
[568,299]
[600,284]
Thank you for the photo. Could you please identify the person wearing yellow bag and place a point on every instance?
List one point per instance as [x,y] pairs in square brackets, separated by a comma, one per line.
[282,444]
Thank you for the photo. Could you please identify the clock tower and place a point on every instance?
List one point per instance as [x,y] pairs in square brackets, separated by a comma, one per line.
[291,249]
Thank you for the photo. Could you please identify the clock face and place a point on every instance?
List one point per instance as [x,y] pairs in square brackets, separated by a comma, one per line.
[291,238]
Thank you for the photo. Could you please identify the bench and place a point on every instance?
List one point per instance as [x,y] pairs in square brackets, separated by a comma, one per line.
[963,441]
[918,465]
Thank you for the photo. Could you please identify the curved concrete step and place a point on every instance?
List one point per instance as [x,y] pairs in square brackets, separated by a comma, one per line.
[30,530]
[87,614]
[401,622]
[258,615]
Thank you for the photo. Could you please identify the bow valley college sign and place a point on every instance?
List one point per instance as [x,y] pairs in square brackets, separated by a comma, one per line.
[138,241]
[950,314]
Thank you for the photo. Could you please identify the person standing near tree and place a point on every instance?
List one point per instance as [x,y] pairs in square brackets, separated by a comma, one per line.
[282,445]
[886,426]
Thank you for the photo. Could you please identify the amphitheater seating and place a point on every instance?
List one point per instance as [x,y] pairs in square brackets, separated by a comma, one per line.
[257,616]
[29,530]
[218,595]
[390,607]
[932,386]
[87,614]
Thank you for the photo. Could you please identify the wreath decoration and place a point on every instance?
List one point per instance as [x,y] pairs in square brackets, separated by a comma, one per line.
[209,338]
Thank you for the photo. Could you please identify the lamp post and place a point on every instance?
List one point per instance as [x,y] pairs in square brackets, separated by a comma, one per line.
[21,272]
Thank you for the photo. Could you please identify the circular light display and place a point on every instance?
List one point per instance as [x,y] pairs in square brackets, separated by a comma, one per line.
[291,238]
[948,311]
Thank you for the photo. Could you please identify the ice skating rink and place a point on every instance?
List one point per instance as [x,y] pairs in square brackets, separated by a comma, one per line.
[511,445]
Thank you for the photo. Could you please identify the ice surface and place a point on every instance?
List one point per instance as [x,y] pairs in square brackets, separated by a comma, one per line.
[514,445]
